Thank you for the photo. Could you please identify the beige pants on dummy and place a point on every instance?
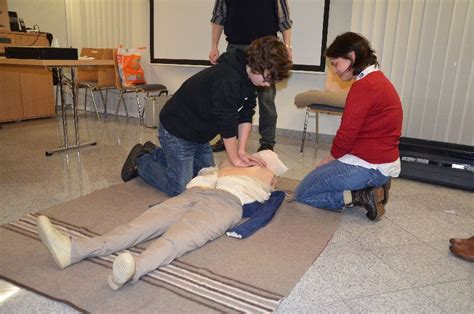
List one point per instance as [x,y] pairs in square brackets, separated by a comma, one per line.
[185,222]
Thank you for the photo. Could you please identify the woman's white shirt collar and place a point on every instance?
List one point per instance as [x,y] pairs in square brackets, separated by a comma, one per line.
[367,71]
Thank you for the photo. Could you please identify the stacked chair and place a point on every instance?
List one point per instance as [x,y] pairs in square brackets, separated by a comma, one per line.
[106,76]
[88,77]
[146,89]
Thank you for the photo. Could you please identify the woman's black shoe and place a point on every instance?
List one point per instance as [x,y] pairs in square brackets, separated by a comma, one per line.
[372,200]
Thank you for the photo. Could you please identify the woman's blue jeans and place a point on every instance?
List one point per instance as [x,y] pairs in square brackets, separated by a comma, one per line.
[170,167]
[323,187]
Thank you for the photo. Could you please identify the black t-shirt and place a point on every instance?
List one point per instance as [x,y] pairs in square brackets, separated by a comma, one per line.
[248,20]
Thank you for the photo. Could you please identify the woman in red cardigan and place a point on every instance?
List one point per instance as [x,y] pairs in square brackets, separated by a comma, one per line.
[364,153]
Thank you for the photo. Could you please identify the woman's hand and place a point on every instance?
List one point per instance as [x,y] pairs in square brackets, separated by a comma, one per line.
[326,160]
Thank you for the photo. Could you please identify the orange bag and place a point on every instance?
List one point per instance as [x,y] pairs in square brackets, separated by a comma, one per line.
[130,70]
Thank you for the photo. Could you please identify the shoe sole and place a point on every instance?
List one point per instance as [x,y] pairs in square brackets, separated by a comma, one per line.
[123,270]
[128,172]
[379,195]
[386,191]
[149,147]
[380,211]
[43,224]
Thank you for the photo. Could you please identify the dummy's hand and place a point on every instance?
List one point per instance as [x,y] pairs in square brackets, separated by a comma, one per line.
[326,160]
[213,55]
[274,182]
[253,160]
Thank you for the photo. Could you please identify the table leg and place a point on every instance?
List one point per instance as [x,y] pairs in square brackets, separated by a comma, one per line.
[64,117]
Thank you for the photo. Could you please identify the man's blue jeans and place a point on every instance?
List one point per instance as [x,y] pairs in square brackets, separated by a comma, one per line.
[323,187]
[170,167]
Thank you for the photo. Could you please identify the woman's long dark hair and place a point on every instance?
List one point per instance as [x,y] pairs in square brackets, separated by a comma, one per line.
[347,42]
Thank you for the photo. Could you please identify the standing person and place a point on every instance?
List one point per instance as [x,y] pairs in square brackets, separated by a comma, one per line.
[364,153]
[242,22]
[218,100]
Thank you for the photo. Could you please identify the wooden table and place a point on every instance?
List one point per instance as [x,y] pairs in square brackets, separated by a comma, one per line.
[60,65]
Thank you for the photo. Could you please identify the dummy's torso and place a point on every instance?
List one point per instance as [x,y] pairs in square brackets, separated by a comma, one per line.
[260,173]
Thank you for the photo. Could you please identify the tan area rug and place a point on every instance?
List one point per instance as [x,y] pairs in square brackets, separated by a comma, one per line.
[225,275]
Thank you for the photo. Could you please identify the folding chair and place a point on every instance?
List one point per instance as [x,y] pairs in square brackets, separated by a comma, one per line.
[330,101]
[137,89]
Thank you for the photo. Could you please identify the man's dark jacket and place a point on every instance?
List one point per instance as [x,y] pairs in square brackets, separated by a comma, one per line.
[213,101]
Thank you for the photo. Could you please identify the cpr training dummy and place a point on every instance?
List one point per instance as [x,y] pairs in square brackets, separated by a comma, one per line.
[212,204]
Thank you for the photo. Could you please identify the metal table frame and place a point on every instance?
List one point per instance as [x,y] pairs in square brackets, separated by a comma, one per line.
[60,65]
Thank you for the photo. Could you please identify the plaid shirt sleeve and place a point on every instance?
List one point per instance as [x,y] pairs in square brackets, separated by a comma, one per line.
[219,12]
[284,20]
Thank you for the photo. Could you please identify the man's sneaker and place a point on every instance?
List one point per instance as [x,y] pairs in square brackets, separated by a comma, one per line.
[218,146]
[372,200]
[265,146]
[123,270]
[149,147]
[129,169]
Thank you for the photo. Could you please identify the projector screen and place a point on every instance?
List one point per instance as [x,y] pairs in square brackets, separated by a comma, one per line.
[180,32]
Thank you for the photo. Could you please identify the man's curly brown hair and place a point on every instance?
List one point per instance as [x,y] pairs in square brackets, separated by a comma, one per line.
[269,53]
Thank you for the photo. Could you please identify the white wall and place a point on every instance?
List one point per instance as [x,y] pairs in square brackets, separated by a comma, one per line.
[434,72]
[50,15]
[289,117]
[306,37]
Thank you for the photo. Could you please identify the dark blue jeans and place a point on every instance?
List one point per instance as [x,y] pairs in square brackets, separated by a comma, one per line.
[267,112]
[170,167]
[323,187]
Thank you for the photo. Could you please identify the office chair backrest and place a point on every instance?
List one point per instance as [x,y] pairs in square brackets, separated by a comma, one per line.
[89,74]
[106,75]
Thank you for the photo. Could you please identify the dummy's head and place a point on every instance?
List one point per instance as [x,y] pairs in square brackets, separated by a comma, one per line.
[274,164]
